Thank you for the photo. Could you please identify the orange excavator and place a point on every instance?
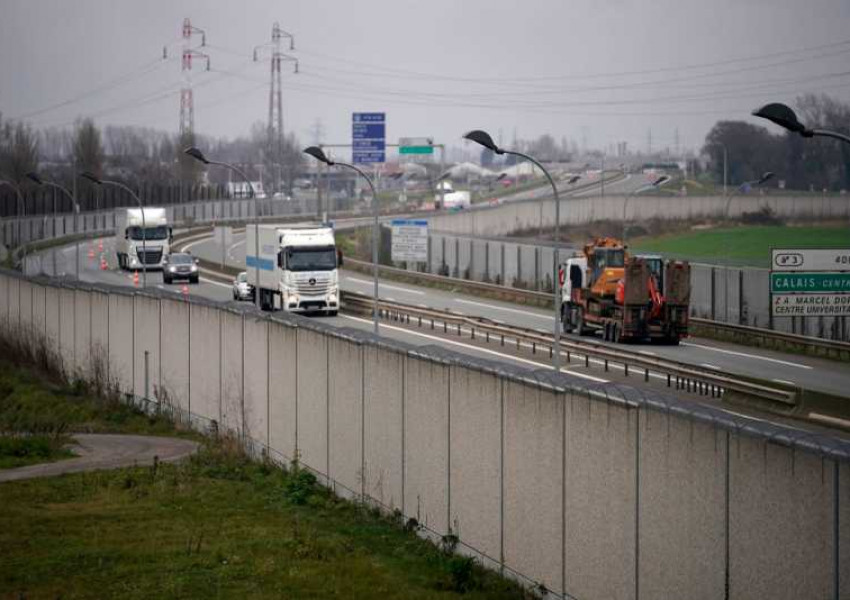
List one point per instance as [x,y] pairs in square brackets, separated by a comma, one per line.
[627,297]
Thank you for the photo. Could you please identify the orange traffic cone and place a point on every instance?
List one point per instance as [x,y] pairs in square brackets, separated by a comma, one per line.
[136,278]
[103,265]
[185,290]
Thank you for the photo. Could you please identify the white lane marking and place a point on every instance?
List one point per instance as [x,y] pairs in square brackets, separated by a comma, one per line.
[785,381]
[384,285]
[390,299]
[506,309]
[829,419]
[195,243]
[756,356]
[710,366]
[224,285]
[476,348]
[647,352]
[422,305]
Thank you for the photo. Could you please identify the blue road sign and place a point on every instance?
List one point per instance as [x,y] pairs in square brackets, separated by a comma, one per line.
[368,138]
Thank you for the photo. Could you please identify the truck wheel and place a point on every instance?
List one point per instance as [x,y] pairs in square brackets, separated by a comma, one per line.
[566,325]
[580,330]
[332,313]
[616,333]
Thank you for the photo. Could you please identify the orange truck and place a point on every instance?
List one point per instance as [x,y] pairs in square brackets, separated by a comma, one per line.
[629,298]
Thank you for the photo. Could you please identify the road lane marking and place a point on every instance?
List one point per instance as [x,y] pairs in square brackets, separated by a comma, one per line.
[513,310]
[785,381]
[647,352]
[476,348]
[205,280]
[756,356]
[710,366]
[384,285]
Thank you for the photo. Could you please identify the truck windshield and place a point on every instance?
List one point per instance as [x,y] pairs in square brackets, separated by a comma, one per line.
[151,233]
[311,259]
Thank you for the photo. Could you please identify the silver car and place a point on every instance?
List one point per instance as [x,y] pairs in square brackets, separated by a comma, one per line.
[242,290]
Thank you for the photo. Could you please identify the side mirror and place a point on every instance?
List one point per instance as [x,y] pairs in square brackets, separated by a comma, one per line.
[197,261]
[126,234]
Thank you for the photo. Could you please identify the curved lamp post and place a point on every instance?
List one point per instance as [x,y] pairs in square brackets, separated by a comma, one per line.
[100,182]
[782,115]
[765,177]
[35,178]
[483,138]
[21,214]
[319,155]
[199,156]
[655,184]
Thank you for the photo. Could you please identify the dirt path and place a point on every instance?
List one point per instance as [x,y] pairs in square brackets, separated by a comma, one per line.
[108,451]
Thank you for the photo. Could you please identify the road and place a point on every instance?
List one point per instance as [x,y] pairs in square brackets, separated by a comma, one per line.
[806,372]
[98,451]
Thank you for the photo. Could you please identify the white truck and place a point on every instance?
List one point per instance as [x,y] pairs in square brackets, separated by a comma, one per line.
[130,228]
[297,267]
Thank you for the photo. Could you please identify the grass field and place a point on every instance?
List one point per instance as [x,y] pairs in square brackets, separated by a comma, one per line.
[217,526]
[740,245]
[16,451]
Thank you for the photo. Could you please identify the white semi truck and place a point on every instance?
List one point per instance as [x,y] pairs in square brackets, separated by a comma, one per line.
[130,229]
[297,266]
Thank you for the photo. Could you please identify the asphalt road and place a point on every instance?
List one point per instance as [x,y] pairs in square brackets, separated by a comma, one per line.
[108,451]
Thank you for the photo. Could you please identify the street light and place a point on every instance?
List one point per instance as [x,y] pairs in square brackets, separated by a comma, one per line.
[747,184]
[35,178]
[655,184]
[483,138]
[782,115]
[21,213]
[319,155]
[199,156]
[100,182]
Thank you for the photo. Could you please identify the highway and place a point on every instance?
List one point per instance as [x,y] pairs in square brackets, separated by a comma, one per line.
[807,372]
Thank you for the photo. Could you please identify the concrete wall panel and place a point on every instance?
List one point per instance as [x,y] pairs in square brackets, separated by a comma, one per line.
[232,399]
[39,312]
[120,340]
[99,362]
[383,428]
[173,377]
[67,333]
[780,521]
[205,368]
[26,306]
[346,414]
[476,449]
[148,329]
[533,473]
[82,331]
[52,331]
[257,379]
[426,443]
[682,499]
[600,499]
[844,530]
[283,378]
[313,370]
[14,295]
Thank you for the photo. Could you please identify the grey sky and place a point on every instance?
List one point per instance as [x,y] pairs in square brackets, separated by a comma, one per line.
[438,68]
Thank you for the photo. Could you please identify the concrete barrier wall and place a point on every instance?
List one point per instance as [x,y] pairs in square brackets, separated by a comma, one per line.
[589,491]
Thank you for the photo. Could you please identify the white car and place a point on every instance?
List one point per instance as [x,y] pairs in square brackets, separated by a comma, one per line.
[242,290]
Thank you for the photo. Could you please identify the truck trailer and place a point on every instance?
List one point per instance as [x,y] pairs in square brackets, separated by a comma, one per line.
[628,298]
[142,238]
[297,268]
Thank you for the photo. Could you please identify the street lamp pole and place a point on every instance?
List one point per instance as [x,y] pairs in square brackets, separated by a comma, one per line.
[657,183]
[21,214]
[199,156]
[97,181]
[484,139]
[782,115]
[319,155]
[35,178]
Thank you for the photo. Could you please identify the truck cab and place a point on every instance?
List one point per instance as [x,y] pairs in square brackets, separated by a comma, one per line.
[297,266]
[143,238]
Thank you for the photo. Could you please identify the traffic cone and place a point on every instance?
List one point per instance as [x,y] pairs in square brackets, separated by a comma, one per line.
[136,278]
[185,290]
[103,265]
[100,245]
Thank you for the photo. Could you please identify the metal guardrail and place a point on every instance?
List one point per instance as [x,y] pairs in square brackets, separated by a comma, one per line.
[703,381]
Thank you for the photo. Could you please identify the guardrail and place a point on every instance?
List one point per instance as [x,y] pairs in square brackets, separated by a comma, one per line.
[700,380]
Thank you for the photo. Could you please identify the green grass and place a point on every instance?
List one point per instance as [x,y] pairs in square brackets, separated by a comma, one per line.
[218,526]
[18,451]
[739,245]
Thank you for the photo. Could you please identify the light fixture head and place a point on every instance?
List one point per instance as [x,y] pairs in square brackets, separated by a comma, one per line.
[483,138]
[782,115]
[196,154]
[91,177]
[33,176]
[318,154]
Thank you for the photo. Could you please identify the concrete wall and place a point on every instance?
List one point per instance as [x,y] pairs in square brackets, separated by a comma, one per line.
[592,492]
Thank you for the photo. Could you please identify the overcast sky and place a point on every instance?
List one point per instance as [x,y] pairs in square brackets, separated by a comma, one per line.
[596,71]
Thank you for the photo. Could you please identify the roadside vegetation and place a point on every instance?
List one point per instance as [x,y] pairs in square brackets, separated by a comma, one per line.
[219,525]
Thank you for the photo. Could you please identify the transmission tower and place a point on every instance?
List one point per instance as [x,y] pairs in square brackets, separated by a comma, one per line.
[187,102]
[275,124]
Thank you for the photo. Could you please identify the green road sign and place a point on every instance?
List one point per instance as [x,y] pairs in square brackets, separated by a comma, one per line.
[788,283]
[416,150]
